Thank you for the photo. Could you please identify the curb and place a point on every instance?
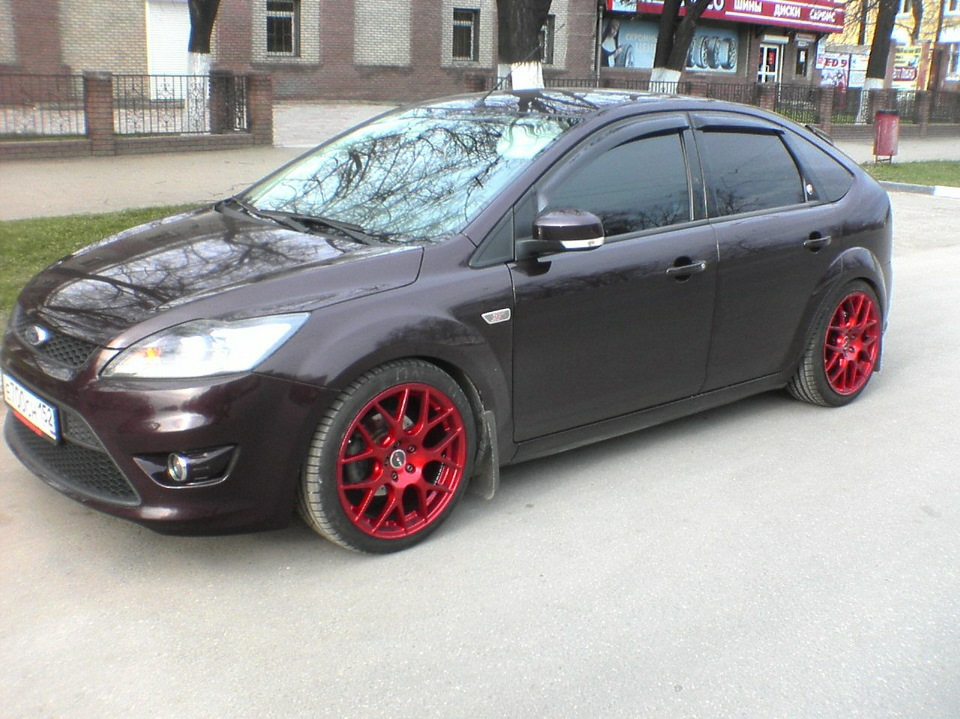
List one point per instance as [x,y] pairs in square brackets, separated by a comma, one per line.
[935,190]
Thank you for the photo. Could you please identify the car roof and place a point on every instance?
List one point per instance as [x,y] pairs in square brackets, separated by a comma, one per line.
[564,102]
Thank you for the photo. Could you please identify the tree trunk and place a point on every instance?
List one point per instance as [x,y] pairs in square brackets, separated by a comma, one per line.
[674,36]
[880,48]
[518,41]
[203,13]
[917,8]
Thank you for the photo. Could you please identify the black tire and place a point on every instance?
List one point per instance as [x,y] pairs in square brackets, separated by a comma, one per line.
[843,350]
[390,458]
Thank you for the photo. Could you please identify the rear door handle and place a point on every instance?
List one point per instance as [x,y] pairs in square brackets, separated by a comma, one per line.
[817,242]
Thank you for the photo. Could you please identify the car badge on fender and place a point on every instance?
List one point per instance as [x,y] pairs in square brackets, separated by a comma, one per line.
[35,335]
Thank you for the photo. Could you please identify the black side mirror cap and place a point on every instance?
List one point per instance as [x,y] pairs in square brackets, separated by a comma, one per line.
[564,230]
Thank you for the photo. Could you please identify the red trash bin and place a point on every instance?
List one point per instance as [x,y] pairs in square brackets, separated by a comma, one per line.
[886,133]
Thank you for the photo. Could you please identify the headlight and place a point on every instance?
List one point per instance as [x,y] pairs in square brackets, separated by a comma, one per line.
[205,347]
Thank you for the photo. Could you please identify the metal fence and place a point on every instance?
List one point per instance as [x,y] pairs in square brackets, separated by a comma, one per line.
[42,106]
[945,107]
[798,102]
[178,104]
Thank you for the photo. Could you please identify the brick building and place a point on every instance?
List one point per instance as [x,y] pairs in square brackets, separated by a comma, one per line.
[407,49]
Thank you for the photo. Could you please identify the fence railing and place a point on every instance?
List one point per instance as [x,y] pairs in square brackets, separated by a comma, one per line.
[178,104]
[50,106]
[42,106]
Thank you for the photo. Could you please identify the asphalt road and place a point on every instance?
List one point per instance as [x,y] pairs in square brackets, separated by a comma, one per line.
[768,559]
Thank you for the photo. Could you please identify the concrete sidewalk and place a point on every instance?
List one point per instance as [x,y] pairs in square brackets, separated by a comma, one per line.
[47,188]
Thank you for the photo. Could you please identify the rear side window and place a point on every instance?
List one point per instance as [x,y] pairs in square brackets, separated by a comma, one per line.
[829,178]
[634,186]
[747,171]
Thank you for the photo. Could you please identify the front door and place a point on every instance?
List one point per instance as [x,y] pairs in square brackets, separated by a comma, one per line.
[606,332]
[770,62]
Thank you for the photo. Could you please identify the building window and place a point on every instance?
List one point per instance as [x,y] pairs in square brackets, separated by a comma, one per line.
[546,41]
[903,7]
[803,59]
[283,27]
[951,7]
[466,35]
[953,61]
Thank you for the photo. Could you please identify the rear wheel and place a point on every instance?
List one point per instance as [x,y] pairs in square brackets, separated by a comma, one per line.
[843,350]
[390,459]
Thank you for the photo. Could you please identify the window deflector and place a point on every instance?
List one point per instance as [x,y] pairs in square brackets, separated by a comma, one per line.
[631,130]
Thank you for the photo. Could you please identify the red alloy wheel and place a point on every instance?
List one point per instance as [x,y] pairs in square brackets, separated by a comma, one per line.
[401,461]
[852,343]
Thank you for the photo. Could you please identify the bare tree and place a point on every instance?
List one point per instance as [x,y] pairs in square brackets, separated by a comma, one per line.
[518,41]
[916,9]
[674,37]
[203,14]
[880,48]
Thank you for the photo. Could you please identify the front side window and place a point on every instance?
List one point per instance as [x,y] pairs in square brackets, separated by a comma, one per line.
[411,176]
[283,27]
[747,172]
[638,185]
[466,35]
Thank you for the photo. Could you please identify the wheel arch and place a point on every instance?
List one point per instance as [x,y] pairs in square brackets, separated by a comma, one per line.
[855,263]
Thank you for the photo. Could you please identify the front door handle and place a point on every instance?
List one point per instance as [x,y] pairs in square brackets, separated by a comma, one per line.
[683,271]
[817,242]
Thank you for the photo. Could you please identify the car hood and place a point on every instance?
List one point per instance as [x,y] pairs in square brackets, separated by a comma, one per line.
[206,264]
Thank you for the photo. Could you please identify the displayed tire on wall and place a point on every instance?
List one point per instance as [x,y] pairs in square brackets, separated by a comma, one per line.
[712,52]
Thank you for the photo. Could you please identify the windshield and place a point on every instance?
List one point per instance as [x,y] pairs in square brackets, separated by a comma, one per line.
[411,176]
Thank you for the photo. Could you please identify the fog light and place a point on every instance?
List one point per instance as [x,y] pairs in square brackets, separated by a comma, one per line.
[178,468]
[200,466]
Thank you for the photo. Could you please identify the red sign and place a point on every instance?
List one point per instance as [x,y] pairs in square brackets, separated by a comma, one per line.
[819,15]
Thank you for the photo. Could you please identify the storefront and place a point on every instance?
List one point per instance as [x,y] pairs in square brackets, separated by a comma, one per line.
[735,40]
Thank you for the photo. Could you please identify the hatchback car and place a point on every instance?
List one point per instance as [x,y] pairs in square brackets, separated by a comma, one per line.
[451,287]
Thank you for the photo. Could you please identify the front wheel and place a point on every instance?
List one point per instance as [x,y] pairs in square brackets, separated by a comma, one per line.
[390,458]
[843,350]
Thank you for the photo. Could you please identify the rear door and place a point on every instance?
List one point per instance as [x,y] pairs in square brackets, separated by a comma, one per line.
[776,239]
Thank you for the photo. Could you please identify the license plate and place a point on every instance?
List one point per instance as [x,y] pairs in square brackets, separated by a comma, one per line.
[39,416]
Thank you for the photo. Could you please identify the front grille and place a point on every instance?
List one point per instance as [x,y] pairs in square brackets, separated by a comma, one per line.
[86,471]
[60,348]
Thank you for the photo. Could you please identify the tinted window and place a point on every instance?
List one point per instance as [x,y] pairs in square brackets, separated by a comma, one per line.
[830,179]
[634,186]
[749,171]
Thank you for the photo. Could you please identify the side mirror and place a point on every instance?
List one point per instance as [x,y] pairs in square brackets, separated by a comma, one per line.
[563,230]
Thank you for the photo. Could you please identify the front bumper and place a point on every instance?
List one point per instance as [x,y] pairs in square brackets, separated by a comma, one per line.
[113,434]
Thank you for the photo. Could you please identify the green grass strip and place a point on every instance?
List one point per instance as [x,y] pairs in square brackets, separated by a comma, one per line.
[27,246]
[938,172]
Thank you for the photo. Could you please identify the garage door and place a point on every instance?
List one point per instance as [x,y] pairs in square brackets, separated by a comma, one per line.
[168,35]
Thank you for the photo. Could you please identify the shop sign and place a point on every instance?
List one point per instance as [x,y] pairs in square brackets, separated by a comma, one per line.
[819,15]
[906,67]
[834,69]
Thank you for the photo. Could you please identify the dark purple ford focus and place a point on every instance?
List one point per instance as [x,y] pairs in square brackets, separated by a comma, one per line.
[451,287]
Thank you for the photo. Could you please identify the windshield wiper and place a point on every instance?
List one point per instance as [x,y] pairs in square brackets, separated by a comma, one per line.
[354,232]
[301,222]
[252,211]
